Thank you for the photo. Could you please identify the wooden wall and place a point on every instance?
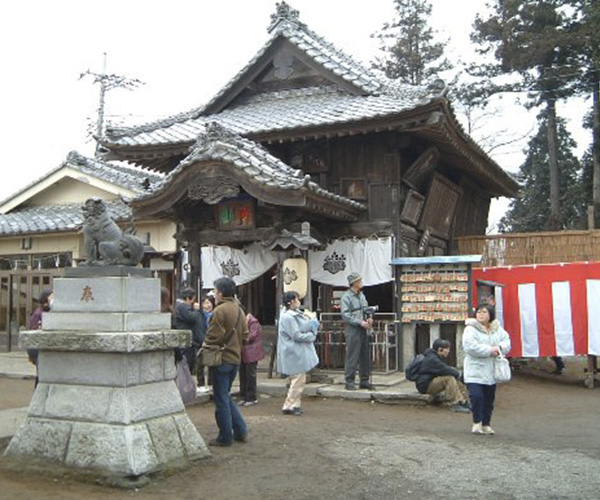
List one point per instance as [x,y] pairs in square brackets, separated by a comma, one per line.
[384,170]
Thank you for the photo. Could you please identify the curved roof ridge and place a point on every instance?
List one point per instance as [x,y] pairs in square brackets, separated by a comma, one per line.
[313,45]
[220,144]
[135,178]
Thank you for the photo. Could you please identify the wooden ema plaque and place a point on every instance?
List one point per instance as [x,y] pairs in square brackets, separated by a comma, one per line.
[433,293]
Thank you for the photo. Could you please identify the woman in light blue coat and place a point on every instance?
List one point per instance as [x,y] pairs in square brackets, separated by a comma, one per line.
[483,341]
[296,352]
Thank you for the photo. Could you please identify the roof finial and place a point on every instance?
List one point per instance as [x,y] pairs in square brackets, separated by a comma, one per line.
[214,131]
[284,15]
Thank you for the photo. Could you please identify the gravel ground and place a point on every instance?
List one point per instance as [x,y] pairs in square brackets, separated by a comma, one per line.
[546,446]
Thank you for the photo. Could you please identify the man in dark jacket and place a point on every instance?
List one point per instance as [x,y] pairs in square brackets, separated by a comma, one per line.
[435,377]
[228,329]
[188,316]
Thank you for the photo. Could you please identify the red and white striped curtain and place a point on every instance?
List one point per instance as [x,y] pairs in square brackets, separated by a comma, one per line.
[548,309]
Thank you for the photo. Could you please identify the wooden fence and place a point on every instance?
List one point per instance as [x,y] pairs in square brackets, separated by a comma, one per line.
[532,248]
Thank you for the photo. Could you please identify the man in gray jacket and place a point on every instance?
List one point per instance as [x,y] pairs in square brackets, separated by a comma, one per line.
[356,329]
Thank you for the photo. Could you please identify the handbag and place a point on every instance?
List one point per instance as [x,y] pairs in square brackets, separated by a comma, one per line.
[502,369]
[212,355]
[185,382]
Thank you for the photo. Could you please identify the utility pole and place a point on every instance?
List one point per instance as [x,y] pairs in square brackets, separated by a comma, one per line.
[107,82]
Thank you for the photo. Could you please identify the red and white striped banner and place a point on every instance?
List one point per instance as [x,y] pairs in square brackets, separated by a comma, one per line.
[548,309]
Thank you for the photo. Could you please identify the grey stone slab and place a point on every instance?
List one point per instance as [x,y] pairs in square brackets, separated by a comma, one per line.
[105,294]
[107,271]
[38,400]
[104,341]
[162,432]
[112,405]
[195,447]
[402,396]
[40,438]
[153,400]
[104,368]
[312,390]
[145,322]
[105,321]
[272,387]
[335,392]
[125,450]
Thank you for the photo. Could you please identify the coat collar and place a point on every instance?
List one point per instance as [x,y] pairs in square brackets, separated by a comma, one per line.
[494,325]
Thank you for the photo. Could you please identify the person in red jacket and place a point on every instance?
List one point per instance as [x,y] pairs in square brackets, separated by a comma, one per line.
[35,323]
[252,353]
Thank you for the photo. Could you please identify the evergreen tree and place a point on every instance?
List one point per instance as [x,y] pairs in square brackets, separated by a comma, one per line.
[410,53]
[586,34]
[531,212]
[531,39]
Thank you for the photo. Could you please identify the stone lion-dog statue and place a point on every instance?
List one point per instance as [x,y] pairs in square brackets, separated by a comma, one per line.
[105,243]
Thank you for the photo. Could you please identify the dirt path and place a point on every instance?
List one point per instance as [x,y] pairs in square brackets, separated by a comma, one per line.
[547,445]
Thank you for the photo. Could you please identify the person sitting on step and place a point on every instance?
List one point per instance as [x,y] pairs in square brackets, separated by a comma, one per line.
[436,377]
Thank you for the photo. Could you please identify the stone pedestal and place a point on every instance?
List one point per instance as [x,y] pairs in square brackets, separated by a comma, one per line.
[106,398]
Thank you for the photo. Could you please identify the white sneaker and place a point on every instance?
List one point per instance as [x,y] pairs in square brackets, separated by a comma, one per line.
[487,429]
[477,429]
[205,389]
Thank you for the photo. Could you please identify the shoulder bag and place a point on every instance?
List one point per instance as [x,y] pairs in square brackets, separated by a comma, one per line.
[501,369]
[212,355]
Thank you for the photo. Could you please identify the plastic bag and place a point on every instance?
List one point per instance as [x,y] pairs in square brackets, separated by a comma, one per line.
[502,369]
[185,382]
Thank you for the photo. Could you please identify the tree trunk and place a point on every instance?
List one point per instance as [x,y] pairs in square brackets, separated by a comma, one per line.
[596,153]
[554,219]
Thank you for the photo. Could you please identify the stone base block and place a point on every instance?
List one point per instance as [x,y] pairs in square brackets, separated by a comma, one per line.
[123,450]
[88,341]
[105,321]
[106,294]
[117,369]
[110,405]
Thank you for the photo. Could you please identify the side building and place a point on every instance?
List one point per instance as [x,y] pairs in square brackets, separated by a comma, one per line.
[40,231]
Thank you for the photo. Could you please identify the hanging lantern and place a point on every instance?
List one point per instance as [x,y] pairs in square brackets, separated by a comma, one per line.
[295,276]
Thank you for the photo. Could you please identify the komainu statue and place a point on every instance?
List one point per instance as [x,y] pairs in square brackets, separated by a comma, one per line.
[105,243]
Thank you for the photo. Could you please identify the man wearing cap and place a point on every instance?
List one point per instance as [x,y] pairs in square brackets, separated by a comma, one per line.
[356,328]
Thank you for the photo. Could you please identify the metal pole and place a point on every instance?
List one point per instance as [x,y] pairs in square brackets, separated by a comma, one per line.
[100,122]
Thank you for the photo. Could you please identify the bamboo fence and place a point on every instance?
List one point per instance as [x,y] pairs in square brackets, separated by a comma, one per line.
[532,248]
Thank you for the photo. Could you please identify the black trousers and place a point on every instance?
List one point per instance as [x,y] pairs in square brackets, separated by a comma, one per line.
[248,381]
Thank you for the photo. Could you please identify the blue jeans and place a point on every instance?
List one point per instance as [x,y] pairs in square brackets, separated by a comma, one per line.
[229,419]
[482,402]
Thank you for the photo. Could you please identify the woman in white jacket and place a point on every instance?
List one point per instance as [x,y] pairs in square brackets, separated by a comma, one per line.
[483,341]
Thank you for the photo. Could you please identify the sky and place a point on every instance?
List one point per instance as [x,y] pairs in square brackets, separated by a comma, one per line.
[184,51]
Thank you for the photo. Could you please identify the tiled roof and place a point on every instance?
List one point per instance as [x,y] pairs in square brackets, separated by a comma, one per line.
[57,218]
[279,111]
[292,109]
[256,163]
[134,178]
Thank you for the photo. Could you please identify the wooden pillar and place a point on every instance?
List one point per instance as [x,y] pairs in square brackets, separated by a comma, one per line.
[195,263]
[592,369]
[278,297]
[308,302]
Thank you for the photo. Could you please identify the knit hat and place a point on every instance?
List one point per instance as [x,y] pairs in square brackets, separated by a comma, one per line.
[353,277]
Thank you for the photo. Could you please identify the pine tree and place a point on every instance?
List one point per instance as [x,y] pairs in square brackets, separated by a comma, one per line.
[586,35]
[531,212]
[530,38]
[410,53]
